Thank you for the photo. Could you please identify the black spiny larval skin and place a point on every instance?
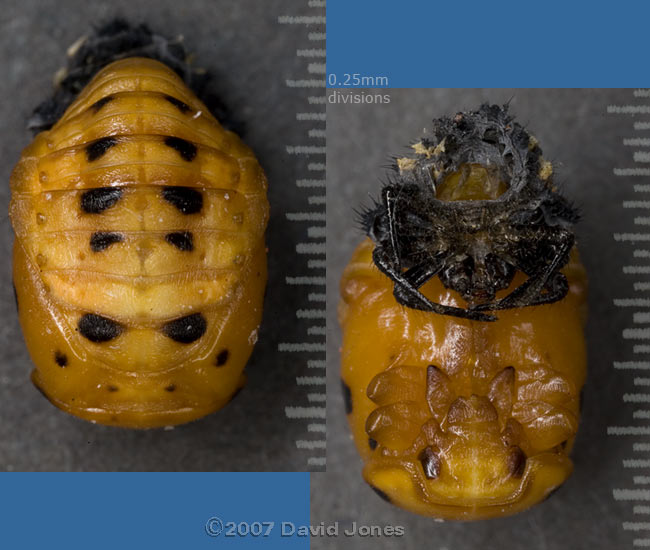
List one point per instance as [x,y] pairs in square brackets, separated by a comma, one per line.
[475,246]
[118,39]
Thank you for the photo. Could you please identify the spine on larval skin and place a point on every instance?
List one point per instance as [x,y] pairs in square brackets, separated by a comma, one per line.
[139,251]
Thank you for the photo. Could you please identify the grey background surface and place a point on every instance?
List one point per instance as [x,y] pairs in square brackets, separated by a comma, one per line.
[251,56]
[585,145]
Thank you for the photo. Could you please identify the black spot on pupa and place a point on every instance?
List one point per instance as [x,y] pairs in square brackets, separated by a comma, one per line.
[581,400]
[181,239]
[15,295]
[186,329]
[95,107]
[61,359]
[42,392]
[222,358]
[112,388]
[186,199]
[381,494]
[347,397]
[101,240]
[98,329]
[98,148]
[180,105]
[170,388]
[186,149]
[552,492]
[97,200]
[516,462]
[235,394]
[372,443]
[430,463]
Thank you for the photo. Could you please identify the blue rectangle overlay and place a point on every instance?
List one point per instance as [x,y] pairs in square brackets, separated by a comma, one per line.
[153,510]
[502,43]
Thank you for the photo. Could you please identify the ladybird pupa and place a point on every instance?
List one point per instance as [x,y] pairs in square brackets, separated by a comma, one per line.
[462,397]
[139,283]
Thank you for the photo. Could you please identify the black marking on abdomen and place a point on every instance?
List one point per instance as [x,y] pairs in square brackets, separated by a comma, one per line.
[61,359]
[381,494]
[95,201]
[98,329]
[181,240]
[347,397]
[372,443]
[186,329]
[235,394]
[552,492]
[186,149]
[581,400]
[95,107]
[13,284]
[222,358]
[170,388]
[98,148]
[186,199]
[430,463]
[101,240]
[516,462]
[180,105]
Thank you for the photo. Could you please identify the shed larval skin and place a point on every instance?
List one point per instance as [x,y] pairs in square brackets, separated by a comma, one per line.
[461,419]
[183,234]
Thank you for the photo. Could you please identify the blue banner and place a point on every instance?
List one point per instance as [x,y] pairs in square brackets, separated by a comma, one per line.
[504,43]
[154,510]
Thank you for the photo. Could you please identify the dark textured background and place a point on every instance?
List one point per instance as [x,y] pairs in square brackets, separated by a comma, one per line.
[251,56]
[585,144]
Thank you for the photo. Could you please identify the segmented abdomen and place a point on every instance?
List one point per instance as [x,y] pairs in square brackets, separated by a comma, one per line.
[454,418]
[141,218]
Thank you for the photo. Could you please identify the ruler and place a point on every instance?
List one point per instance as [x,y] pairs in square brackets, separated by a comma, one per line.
[306,274]
[634,363]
